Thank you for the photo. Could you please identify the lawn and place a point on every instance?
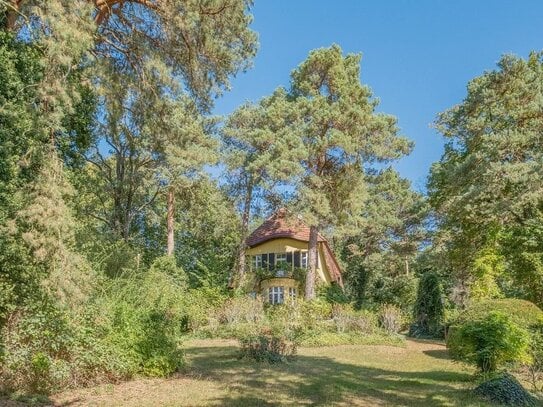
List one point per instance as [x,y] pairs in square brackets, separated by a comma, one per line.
[419,374]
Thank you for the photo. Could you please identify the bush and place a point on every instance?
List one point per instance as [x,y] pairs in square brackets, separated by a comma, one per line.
[168,265]
[241,310]
[535,367]
[505,390]
[333,294]
[142,319]
[391,318]
[490,342]
[348,320]
[267,346]
[524,313]
[429,310]
[46,349]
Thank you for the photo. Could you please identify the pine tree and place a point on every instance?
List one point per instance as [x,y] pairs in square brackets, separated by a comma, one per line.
[342,135]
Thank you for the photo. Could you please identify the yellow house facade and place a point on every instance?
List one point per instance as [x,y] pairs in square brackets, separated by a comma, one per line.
[277,256]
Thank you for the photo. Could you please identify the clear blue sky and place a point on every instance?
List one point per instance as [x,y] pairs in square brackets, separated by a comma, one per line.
[417,56]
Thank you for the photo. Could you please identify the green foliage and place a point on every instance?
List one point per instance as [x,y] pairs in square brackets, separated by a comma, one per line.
[429,309]
[400,291]
[47,349]
[490,342]
[486,188]
[168,266]
[333,293]
[535,367]
[391,318]
[521,312]
[505,390]
[267,346]
[142,319]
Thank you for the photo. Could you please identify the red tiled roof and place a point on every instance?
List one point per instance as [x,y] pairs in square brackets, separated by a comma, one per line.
[280,224]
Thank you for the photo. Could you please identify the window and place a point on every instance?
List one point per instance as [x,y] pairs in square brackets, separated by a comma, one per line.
[281,265]
[276,295]
[257,261]
[292,292]
[303,262]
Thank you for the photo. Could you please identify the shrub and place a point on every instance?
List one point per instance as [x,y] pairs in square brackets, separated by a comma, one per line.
[429,310]
[333,294]
[168,265]
[199,307]
[505,390]
[535,367]
[267,346]
[348,320]
[391,318]
[523,313]
[400,291]
[490,342]
[142,320]
[46,349]
[243,309]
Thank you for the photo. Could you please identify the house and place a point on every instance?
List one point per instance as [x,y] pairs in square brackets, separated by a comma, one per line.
[278,258]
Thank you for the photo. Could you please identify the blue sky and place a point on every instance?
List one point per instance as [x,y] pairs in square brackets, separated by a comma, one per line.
[417,56]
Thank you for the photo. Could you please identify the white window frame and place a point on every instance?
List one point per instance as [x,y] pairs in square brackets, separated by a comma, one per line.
[257,261]
[304,259]
[292,292]
[280,258]
[276,295]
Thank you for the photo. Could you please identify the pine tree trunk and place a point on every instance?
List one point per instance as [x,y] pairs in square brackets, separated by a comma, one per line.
[170,223]
[312,260]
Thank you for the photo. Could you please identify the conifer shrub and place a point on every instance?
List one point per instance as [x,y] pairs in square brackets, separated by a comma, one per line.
[429,310]
[505,390]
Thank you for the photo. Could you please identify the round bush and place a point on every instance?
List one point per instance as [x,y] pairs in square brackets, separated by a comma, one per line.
[522,312]
[490,342]
[505,390]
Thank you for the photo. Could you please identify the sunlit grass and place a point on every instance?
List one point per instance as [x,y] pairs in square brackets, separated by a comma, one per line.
[418,374]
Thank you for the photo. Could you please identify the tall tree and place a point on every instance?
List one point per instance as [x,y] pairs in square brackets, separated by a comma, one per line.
[489,182]
[342,136]
[385,246]
[260,154]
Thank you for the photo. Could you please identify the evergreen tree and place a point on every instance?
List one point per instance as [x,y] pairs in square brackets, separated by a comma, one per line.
[428,313]
[486,189]
[342,136]
[260,154]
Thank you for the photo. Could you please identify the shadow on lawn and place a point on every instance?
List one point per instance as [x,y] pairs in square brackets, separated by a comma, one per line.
[311,380]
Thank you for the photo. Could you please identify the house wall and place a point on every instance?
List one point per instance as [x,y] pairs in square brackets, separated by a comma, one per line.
[284,245]
[279,282]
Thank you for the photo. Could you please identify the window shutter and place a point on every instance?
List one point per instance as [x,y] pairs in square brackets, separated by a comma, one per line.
[271,260]
[297,258]
[289,257]
[264,261]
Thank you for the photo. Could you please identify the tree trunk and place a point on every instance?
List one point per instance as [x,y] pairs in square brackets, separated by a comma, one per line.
[170,223]
[11,14]
[244,231]
[312,260]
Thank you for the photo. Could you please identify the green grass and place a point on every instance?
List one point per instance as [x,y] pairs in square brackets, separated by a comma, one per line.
[417,374]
